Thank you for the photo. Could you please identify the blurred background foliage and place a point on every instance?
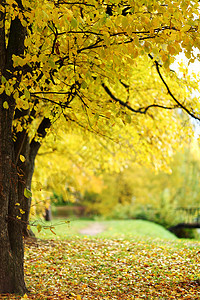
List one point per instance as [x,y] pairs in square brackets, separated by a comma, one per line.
[132,192]
[140,167]
[139,193]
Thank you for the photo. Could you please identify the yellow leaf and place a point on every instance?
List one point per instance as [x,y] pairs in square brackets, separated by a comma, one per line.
[135,53]
[125,22]
[24,23]
[19,128]
[16,94]
[2,88]
[78,297]
[38,186]
[69,14]
[22,158]
[24,297]
[5,105]
[171,50]
[2,8]
[185,28]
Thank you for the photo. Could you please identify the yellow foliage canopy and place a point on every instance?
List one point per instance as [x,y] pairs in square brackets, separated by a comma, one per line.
[98,67]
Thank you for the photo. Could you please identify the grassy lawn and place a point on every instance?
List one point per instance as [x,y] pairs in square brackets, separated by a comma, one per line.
[135,228]
[133,264]
[111,229]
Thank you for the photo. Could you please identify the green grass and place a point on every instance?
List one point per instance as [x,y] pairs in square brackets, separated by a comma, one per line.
[126,229]
[135,228]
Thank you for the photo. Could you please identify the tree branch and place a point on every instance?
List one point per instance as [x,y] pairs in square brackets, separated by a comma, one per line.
[179,104]
[15,40]
[92,130]
[51,101]
[2,39]
[141,110]
[145,109]
[41,132]
[122,103]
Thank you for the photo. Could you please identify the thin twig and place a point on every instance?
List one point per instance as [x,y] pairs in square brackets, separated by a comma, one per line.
[170,93]
[141,110]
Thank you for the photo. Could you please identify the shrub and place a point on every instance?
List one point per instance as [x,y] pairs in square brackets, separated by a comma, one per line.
[160,216]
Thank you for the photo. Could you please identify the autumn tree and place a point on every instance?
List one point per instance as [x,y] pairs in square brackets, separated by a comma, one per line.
[71,159]
[64,59]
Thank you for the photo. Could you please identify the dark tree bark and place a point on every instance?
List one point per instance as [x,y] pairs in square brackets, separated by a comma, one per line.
[29,149]
[11,238]
[25,171]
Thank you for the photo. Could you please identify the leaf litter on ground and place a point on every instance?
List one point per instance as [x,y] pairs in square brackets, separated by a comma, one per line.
[93,268]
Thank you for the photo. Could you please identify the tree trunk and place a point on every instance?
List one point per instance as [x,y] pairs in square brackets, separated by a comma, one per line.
[15,175]
[11,239]
[25,169]
[29,149]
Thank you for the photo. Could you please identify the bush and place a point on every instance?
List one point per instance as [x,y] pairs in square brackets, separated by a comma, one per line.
[160,216]
[125,212]
[57,200]
[186,233]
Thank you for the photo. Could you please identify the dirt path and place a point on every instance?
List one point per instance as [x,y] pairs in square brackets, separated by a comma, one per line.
[93,229]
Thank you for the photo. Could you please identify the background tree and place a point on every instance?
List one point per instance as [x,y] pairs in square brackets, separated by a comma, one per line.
[61,59]
[137,192]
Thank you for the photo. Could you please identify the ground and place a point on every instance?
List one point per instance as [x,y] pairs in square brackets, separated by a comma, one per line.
[111,267]
[93,229]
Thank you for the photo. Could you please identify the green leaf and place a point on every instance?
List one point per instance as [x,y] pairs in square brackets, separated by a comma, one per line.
[52,63]
[128,119]
[3,79]
[39,227]
[7,90]
[83,85]
[27,193]
[74,23]
[26,94]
